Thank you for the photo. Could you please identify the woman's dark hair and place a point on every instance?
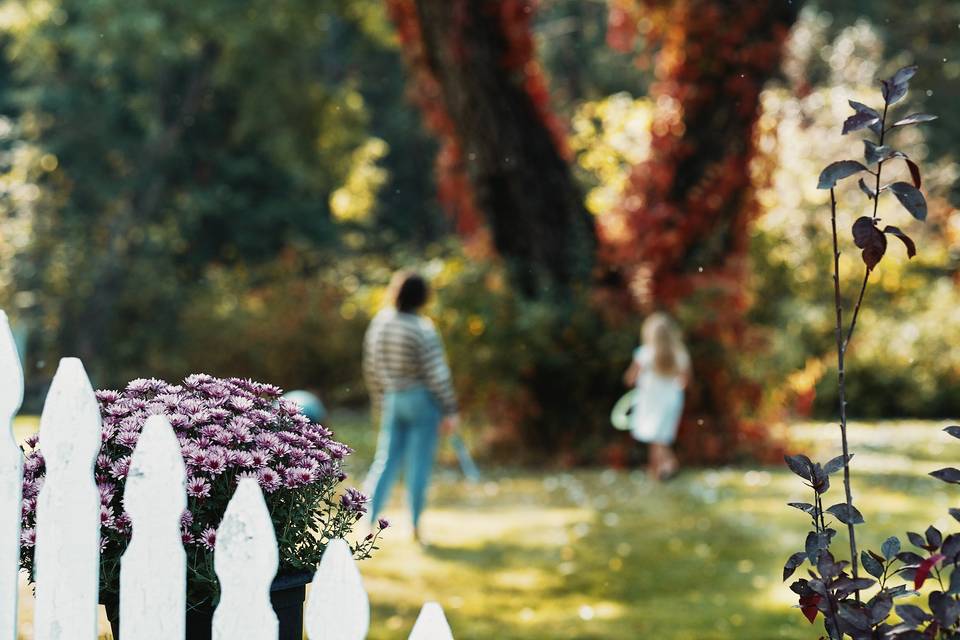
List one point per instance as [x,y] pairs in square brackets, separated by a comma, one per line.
[409,291]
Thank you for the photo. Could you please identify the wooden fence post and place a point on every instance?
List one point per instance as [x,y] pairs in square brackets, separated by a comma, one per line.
[431,624]
[246,560]
[11,475]
[338,608]
[153,571]
[67,560]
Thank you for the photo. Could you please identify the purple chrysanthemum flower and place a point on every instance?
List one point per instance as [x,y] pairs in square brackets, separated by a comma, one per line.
[297,477]
[240,403]
[107,432]
[354,501]
[32,440]
[106,516]
[178,420]
[186,537]
[186,518]
[128,438]
[104,461]
[107,396]
[28,537]
[120,468]
[29,506]
[30,488]
[209,538]
[260,458]
[33,463]
[107,492]
[198,488]
[383,523]
[269,479]
[196,380]
[243,459]
[122,522]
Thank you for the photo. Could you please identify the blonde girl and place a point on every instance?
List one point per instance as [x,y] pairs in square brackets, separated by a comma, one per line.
[660,372]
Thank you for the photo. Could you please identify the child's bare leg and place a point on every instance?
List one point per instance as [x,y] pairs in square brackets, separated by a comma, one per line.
[670,463]
[655,462]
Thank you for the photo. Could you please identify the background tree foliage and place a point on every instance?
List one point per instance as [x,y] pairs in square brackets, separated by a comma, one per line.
[206,187]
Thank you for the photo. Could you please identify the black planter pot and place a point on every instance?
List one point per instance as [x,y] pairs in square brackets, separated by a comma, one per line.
[287,594]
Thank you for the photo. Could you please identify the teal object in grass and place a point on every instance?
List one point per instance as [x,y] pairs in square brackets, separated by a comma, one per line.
[310,404]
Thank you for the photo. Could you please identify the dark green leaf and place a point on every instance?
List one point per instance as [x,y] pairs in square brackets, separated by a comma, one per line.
[880,606]
[806,507]
[953,430]
[914,118]
[820,479]
[910,558]
[893,92]
[793,562]
[954,588]
[945,609]
[800,465]
[858,121]
[948,474]
[951,547]
[912,614]
[838,171]
[904,74]
[847,514]
[916,539]
[859,107]
[866,189]
[835,464]
[890,547]
[854,615]
[911,199]
[871,565]
[904,238]
[874,153]
[934,538]
[955,513]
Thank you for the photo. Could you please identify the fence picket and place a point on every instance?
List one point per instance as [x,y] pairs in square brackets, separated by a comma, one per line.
[431,624]
[67,560]
[153,574]
[245,559]
[11,473]
[338,608]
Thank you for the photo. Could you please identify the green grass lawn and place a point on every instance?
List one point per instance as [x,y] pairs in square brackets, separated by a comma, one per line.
[603,554]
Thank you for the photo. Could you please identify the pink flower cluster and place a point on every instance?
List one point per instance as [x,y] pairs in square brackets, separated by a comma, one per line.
[227,428]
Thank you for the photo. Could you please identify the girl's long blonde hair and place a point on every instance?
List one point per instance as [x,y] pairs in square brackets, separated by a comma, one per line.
[662,336]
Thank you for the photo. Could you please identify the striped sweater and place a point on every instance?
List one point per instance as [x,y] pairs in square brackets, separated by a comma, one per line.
[403,350]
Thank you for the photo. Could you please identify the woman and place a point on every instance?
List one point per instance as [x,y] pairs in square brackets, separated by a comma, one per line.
[409,382]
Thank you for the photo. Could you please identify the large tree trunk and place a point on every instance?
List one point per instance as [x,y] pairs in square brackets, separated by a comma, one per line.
[686,210]
[503,159]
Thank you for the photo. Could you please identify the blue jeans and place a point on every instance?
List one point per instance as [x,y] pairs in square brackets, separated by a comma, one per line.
[408,433]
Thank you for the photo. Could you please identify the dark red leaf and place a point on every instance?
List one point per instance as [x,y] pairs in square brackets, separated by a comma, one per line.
[808,605]
[923,571]
[914,171]
[907,241]
[867,237]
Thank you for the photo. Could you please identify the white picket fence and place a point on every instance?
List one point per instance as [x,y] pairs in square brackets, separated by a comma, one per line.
[153,569]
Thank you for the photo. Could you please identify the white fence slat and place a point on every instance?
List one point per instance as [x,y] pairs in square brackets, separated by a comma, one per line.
[431,624]
[153,571]
[11,474]
[67,560]
[246,560]
[338,607]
